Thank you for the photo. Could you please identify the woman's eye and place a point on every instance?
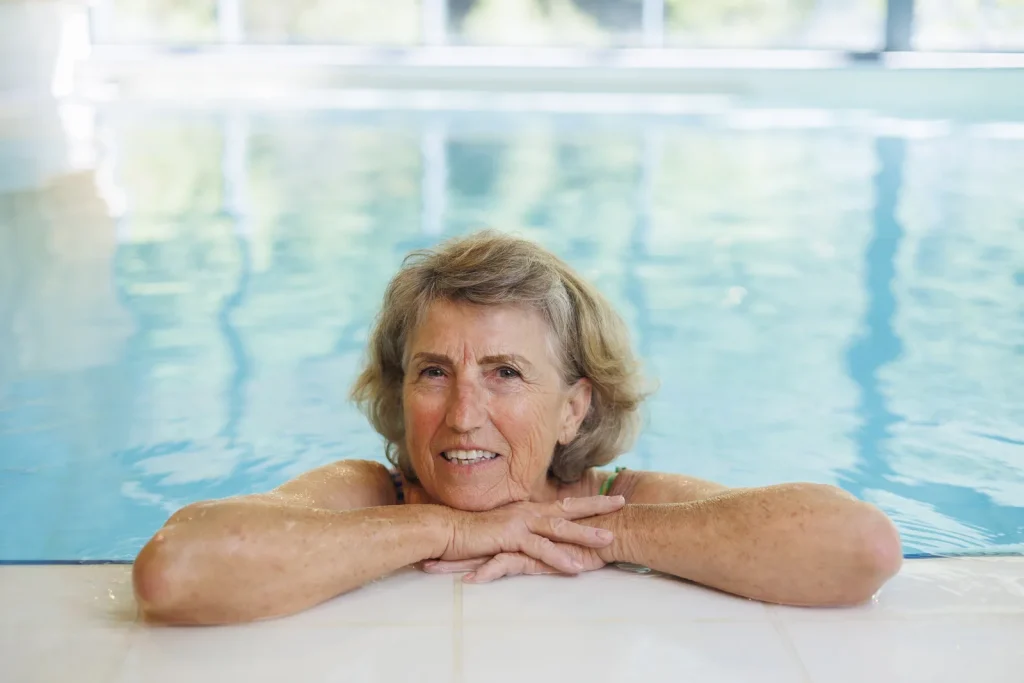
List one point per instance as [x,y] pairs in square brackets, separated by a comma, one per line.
[506,372]
[432,373]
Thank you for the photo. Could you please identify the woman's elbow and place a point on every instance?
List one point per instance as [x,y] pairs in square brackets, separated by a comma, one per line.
[152,579]
[164,580]
[159,575]
[886,547]
[878,556]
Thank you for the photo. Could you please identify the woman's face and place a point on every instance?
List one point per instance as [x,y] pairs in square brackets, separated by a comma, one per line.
[485,404]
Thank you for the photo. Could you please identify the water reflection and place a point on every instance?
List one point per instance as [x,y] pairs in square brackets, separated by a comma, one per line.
[879,346]
[241,366]
[787,289]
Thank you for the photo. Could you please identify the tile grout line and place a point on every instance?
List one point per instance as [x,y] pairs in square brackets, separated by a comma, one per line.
[780,628]
[457,676]
[138,623]
[116,671]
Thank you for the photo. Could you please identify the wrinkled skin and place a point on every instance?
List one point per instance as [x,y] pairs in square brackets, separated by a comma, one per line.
[487,378]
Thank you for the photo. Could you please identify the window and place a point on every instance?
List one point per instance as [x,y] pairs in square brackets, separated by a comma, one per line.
[545,22]
[157,21]
[969,25]
[832,24]
[380,22]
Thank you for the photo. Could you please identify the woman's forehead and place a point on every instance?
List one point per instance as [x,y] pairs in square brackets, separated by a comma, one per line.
[459,330]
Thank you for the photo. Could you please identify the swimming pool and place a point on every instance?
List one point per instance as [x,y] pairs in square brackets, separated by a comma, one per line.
[833,296]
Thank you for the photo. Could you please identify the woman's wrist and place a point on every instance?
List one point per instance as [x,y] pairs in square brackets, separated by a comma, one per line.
[435,528]
[643,533]
[619,523]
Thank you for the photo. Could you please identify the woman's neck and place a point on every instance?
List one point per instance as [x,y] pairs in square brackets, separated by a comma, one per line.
[547,490]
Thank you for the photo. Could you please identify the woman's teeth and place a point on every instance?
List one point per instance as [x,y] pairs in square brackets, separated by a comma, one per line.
[467,457]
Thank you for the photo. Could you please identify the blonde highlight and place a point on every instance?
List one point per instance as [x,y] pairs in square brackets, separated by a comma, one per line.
[492,269]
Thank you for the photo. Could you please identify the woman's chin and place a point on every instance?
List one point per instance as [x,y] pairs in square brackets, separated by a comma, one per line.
[471,501]
[473,487]
[477,498]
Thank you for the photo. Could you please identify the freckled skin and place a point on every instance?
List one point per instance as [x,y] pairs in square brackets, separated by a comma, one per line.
[338,527]
[461,395]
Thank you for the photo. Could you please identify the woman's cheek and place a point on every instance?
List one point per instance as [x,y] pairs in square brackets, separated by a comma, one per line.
[527,422]
[421,412]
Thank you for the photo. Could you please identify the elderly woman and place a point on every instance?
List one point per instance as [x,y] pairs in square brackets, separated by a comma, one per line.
[501,382]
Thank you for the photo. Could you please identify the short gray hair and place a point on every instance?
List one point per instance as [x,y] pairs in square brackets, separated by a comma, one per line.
[492,269]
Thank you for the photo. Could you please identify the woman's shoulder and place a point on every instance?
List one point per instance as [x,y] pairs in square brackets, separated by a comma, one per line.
[594,482]
[342,485]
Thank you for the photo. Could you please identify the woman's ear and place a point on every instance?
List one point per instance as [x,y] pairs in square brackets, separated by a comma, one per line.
[576,408]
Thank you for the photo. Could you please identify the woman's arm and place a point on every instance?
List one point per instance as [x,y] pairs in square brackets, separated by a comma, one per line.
[800,544]
[263,555]
[253,558]
[268,555]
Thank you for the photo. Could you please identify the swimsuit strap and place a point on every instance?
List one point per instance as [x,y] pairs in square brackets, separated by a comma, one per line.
[607,485]
[396,479]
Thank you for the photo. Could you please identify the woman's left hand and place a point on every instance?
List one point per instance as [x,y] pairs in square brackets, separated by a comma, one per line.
[484,569]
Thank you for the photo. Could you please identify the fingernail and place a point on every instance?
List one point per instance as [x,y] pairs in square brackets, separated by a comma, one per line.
[620,499]
[577,565]
[469,577]
[604,535]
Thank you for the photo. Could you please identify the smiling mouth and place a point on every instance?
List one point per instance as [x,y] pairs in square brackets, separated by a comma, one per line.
[468,457]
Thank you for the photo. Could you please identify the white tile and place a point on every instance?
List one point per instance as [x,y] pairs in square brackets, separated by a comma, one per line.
[979,649]
[939,586]
[406,597]
[281,650]
[598,652]
[606,594]
[36,653]
[68,595]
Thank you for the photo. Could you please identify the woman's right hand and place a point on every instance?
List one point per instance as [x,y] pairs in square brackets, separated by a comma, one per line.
[533,529]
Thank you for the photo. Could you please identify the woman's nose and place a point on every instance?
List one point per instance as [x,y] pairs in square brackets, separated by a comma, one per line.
[466,409]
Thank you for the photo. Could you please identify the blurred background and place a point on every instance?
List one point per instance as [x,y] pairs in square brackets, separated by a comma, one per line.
[809,212]
[862,25]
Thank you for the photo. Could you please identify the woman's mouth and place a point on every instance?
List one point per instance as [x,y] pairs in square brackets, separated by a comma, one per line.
[468,457]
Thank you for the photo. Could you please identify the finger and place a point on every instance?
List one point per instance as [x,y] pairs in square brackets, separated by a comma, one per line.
[520,563]
[578,508]
[564,531]
[453,566]
[551,554]
[532,566]
[502,564]
[508,564]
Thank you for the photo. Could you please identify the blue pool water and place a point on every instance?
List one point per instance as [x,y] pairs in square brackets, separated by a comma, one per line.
[834,297]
